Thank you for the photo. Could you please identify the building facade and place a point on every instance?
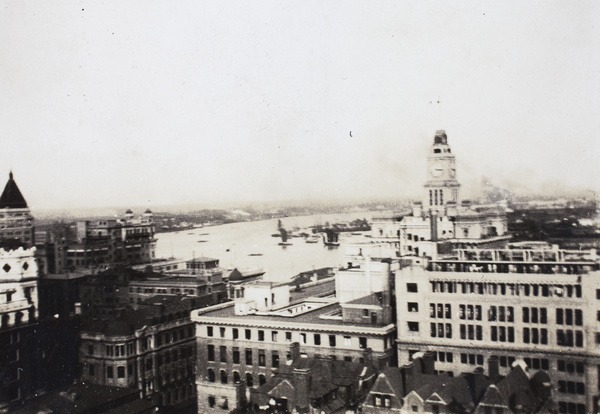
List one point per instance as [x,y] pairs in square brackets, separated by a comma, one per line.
[538,305]
[19,369]
[152,349]
[240,343]
[126,241]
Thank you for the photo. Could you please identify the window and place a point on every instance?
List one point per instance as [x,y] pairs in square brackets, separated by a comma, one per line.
[120,372]
[413,326]
[109,372]
[413,306]
[262,360]
[288,337]
[235,333]
[331,340]
[236,377]
[412,288]
[248,357]
[248,334]
[91,369]
[275,359]
[236,355]
[303,338]
[317,339]
[209,331]
[261,335]
[211,401]
[211,352]
[362,342]
[222,353]
[249,380]
[223,377]
[347,341]
[221,332]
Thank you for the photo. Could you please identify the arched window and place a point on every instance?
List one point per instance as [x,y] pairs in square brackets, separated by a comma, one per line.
[261,379]
[211,375]
[249,380]
[18,318]
[236,377]
[223,377]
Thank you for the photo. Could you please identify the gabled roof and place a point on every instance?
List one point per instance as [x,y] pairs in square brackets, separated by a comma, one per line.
[493,398]
[11,196]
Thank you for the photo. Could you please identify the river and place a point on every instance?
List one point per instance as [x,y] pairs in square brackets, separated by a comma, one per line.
[248,245]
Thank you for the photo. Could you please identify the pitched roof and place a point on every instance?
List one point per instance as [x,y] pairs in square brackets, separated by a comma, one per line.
[11,196]
[493,398]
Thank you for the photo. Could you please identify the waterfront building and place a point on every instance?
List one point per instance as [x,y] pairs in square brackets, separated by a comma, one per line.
[123,287]
[240,343]
[126,241]
[152,349]
[441,215]
[16,221]
[540,305]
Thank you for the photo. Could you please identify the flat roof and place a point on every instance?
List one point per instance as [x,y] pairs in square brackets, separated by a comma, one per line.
[226,315]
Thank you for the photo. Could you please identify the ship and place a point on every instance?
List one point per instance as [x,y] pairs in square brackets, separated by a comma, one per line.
[284,237]
[330,238]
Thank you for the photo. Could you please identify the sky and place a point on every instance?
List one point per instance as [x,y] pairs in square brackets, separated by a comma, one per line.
[150,103]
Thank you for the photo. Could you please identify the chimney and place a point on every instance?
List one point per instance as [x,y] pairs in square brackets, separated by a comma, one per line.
[295,350]
[493,368]
[428,363]
[407,373]
[367,356]
[302,384]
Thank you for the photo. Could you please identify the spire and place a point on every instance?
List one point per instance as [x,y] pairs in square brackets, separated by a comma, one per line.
[11,196]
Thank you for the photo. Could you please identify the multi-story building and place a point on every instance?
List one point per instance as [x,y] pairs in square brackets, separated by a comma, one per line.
[16,221]
[152,349]
[240,343]
[441,216]
[539,305]
[202,279]
[127,241]
[19,369]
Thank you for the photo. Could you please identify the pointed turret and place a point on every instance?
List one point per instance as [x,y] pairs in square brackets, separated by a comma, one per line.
[11,196]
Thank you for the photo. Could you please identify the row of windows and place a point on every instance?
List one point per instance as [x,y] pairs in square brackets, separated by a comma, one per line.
[535,315]
[571,408]
[535,336]
[469,312]
[440,310]
[537,363]
[565,317]
[441,331]
[443,356]
[471,332]
[565,338]
[501,314]
[235,356]
[503,334]
[571,387]
[224,378]
[317,339]
[472,359]
[513,289]
[570,366]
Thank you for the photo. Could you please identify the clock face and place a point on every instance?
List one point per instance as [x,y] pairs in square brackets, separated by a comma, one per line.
[436,170]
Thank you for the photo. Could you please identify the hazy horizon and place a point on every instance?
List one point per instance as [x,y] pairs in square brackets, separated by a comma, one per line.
[152,103]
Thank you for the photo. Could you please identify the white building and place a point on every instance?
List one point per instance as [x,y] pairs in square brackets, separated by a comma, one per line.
[441,216]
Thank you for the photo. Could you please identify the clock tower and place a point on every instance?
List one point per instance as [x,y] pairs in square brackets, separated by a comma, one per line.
[441,186]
